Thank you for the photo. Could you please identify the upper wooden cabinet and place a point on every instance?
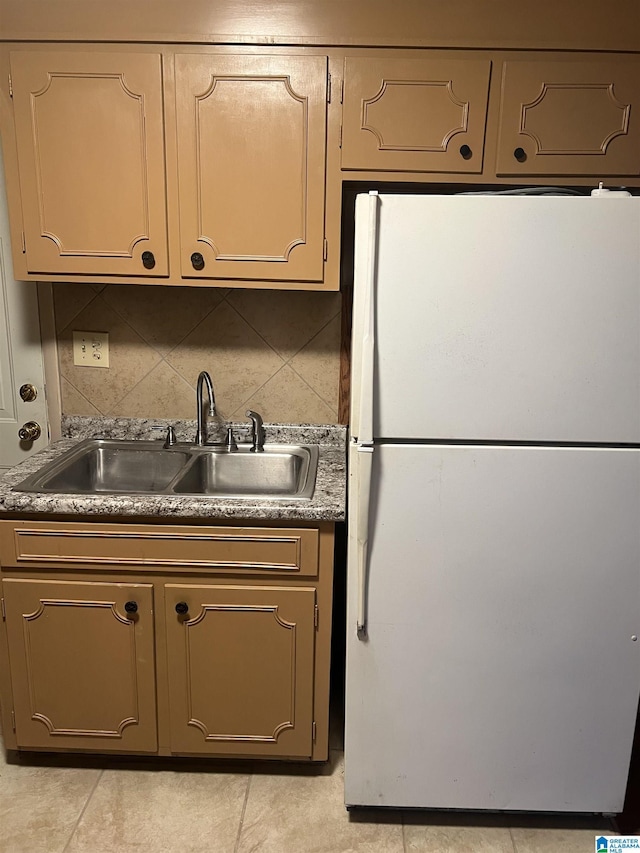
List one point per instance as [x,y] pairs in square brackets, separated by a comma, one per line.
[570,118]
[420,115]
[89,139]
[251,166]
[190,167]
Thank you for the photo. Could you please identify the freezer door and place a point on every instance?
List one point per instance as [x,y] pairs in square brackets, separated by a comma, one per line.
[500,668]
[507,318]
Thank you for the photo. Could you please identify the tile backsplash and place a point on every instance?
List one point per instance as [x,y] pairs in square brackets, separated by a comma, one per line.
[276,352]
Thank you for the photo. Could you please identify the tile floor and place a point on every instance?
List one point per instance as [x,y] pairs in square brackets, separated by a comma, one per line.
[70,804]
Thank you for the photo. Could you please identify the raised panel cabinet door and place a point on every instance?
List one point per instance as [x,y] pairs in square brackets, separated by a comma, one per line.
[570,118]
[251,166]
[240,669]
[90,143]
[82,664]
[414,115]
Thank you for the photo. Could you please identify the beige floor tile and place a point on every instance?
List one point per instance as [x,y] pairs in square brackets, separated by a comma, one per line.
[434,838]
[39,806]
[554,840]
[146,811]
[304,812]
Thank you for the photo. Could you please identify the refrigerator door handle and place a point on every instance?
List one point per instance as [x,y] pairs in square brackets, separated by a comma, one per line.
[365,463]
[365,434]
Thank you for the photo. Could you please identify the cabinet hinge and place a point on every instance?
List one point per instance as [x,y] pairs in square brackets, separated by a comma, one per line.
[24,244]
[13,720]
[10,87]
[4,612]
[325,251]
[340,140]
[315,615]
[329,87]
[313,731]
[342,91]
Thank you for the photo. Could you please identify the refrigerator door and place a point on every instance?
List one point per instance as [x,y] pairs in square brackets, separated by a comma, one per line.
[501,668]
[505,318]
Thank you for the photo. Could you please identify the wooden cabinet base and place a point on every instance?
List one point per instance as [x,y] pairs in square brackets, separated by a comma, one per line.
[195,659]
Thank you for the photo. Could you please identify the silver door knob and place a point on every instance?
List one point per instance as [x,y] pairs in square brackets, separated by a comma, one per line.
[30,431]
[28,392]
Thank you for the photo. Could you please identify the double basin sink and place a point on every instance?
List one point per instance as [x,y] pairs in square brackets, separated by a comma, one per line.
[109,466]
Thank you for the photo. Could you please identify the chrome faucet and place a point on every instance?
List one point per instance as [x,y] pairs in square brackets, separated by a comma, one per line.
[257,432]
[201,431]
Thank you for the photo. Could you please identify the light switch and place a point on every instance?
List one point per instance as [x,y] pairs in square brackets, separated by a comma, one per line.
[91,349]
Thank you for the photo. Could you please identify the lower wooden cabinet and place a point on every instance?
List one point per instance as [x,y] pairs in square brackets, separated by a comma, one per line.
[82,664]
[240,666]
[205,658]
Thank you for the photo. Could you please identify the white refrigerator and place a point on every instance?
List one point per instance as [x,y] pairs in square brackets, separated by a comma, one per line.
[493,607]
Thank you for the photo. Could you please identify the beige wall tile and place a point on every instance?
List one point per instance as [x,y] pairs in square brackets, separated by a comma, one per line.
[318,363]
[161,812]
[163,316]
[73,403]
[237,358]
[232,334]
[130,358]
[69,300]
[286,320]
[286,398]
[163,393]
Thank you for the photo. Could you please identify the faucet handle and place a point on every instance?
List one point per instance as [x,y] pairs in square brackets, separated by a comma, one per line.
[257,432]
[230,442]
[170,440]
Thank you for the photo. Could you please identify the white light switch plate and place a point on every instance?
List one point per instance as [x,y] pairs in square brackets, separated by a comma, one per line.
[91,349]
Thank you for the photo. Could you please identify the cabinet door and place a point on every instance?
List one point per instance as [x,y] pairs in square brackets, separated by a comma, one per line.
[570,118]
[414,115]
[90,145]
[82,667]
[251,166]
[241,666]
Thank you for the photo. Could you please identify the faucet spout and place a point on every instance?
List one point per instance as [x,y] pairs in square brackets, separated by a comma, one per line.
[201,431]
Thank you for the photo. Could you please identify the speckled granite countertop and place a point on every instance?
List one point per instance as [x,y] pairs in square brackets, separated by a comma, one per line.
[327,503]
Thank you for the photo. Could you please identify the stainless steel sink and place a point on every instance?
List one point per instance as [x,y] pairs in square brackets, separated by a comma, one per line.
[107,466]
[276,472]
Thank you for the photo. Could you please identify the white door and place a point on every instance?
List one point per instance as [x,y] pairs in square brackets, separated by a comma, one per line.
[20,354]
[500,669]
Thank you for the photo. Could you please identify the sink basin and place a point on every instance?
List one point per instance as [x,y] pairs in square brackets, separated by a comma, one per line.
[277,472]
[110,466]
[104,466]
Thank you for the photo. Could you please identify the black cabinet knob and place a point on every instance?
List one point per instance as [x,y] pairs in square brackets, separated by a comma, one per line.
[520,154]
[465,152]
[148,260]
[197,261]
[131,607]
[182,607]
